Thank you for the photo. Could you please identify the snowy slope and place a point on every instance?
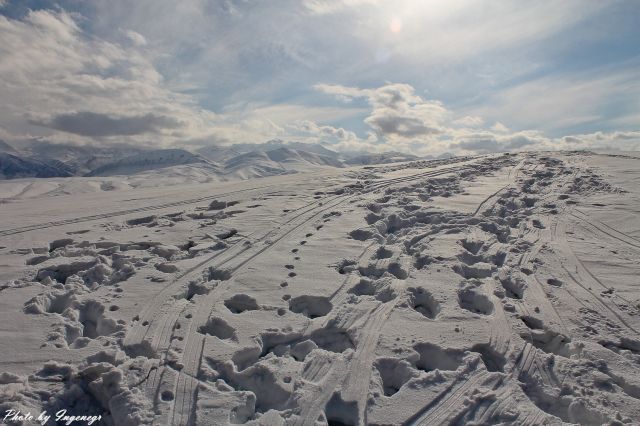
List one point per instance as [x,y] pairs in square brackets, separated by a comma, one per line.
[219,154]
[254,164]
[14,167]
[149,169]
[213,162]
[6,148]
[259,163]
[80,159]
[288,155]
[148,160]
[498,289]
[274,144]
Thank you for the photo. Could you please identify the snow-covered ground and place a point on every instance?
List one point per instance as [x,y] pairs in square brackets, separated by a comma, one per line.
[484,290]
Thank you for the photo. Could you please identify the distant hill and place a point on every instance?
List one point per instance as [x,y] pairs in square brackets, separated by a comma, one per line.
[147,160]
[315,148]
[222,153]
[6,148]
[38,158]
[288,155]
[219,154]
[14,167]
[80,159]
[253,164]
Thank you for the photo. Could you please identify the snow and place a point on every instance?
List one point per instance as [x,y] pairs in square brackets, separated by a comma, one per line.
[495,289]
[148,160]
[150,168]
[12,167]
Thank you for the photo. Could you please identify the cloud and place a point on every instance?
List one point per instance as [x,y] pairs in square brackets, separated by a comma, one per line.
[324,7]
[561,103]
[487,142]
[313,128]
[136,39]
[465,53]
[399,119]
[240,71]
[469,121]
[48,64]
[483,145]
[622,141]
[113,89]
[389,123]
[397,113]
[93,124]
[499,128]
[338,138]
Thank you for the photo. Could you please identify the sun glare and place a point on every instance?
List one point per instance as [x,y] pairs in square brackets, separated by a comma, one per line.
[395,25]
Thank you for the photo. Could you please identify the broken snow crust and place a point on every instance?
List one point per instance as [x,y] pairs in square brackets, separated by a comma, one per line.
[497,289]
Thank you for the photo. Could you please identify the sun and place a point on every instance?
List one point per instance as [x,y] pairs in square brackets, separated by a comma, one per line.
[395,26]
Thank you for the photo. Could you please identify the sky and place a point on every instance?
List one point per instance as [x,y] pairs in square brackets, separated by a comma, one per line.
[417,76]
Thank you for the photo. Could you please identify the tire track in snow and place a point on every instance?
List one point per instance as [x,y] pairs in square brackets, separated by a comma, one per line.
[581,272]
[183,416]
[516,169]
[169,290]
[47,225]
[441,407]
[622,237]
[168,293]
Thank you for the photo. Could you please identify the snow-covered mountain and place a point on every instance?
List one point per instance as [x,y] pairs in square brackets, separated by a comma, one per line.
[251,165]
[6,148]
[260,163]
[219,154]
[292,156]
[14,167]
[149,160]
[315,148]
[36,158]
[278,143]
[79,159]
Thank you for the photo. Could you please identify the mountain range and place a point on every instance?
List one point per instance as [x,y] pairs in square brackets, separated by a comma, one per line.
[242,161]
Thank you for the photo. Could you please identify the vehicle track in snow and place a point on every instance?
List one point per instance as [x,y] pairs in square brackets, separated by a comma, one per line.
[47,225]
[181,413]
